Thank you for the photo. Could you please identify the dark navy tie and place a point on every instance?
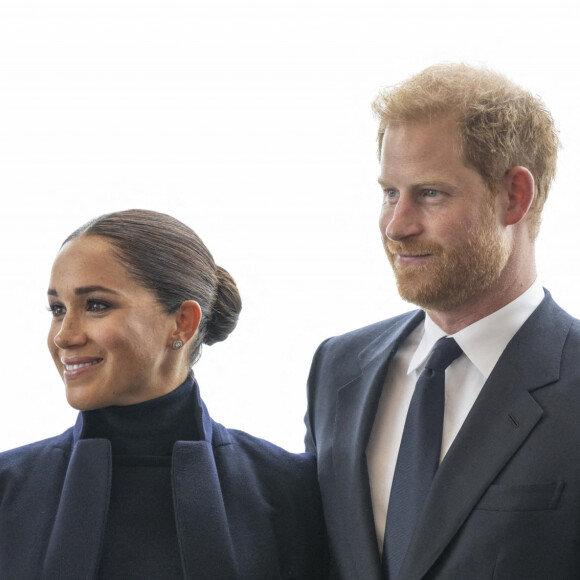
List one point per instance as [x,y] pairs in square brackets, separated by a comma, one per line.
[419,455]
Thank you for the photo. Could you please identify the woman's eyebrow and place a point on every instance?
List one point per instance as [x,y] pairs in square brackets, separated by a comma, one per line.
[84,290]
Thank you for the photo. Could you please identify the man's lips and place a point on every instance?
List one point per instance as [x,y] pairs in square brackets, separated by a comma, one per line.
[411,259]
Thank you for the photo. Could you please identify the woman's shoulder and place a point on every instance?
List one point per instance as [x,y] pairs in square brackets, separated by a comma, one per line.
[35,454]
[266,460]
[262,447]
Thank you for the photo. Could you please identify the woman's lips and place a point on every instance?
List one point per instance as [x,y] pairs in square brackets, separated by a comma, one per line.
[74,367]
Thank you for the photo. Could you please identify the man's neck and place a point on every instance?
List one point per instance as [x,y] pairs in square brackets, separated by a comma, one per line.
[496,297]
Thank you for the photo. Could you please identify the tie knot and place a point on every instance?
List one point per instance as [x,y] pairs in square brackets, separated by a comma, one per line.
[445,351]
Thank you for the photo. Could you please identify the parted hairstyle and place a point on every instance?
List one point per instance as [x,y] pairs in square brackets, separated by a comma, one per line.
[168,258]
[500,124]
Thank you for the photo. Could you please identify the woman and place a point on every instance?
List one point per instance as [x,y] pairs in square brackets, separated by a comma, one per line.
[146,485]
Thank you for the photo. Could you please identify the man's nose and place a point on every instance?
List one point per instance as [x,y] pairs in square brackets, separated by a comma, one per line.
[402,220]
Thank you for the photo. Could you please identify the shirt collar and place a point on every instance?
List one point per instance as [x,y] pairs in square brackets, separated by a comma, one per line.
[484,340]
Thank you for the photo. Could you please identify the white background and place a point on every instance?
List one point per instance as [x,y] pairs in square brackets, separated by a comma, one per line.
[250,121]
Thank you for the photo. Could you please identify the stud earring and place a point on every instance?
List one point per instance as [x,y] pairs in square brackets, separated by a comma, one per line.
[177,345]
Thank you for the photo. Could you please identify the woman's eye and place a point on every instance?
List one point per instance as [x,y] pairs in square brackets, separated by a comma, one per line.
[97,306]
[56,310]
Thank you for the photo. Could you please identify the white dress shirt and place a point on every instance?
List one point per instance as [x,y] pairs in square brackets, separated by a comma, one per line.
[482,343]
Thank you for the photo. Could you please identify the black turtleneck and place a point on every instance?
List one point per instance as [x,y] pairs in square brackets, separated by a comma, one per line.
[140,537]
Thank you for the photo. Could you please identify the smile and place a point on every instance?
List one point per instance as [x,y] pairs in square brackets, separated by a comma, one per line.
[77,366]
[80,366]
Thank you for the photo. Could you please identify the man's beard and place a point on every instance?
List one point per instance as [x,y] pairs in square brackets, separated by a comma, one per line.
[455,275]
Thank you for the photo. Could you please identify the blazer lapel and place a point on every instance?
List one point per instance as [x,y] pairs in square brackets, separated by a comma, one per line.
[75,543]
[356,408]
[501,419]
[205,542]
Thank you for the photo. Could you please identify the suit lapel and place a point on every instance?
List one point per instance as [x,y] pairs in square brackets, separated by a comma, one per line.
[356,407]
[501,419]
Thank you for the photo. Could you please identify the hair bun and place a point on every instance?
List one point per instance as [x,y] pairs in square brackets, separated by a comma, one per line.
[226,308]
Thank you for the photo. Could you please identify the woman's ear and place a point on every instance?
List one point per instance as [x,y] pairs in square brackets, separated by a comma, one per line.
[187,320]
[519,188]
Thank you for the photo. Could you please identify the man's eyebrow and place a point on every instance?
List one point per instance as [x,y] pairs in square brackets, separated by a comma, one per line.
[84,290]
[435,181]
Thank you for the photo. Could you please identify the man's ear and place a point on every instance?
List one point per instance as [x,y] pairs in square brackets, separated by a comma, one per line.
[187,319]
[519,187]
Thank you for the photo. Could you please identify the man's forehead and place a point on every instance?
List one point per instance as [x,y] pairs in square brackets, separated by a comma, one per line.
[422,138]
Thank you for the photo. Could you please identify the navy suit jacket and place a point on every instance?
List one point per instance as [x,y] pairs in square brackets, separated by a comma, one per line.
[245,509]
[505,501]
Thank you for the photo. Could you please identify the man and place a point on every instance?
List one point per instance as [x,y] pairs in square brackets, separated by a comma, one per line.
[467,159]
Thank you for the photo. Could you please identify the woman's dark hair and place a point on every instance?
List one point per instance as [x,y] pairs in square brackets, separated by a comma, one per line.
[169,259]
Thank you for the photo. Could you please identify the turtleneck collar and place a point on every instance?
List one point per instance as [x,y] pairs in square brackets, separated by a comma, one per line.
[150,428]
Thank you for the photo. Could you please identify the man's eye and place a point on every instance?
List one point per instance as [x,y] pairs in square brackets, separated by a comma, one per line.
[391,194]
[431,193]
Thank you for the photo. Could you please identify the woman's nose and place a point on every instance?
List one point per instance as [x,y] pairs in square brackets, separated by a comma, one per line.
[69,335]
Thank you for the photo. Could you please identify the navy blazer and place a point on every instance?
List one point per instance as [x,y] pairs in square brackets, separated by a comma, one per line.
[505,502]
[245,509]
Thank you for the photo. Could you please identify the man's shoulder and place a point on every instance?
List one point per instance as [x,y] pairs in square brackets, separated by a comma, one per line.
[340,354]
[550,316]
[367,334]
